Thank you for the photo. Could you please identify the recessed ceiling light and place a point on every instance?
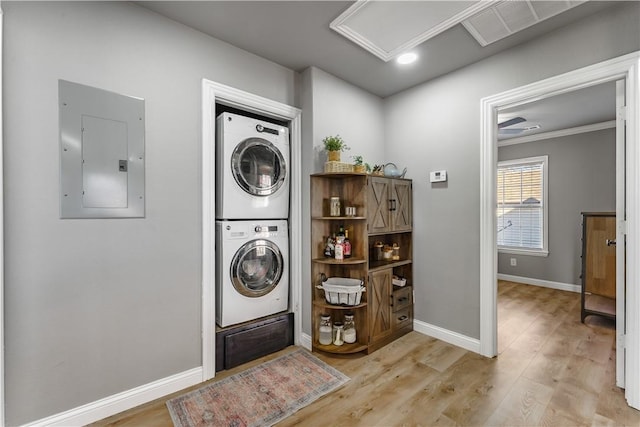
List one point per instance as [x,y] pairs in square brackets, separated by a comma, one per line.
[407,58]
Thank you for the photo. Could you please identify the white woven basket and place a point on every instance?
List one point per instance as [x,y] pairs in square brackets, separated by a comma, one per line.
[342,291]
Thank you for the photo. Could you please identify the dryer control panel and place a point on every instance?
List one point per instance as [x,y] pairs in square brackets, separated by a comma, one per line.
[267,230]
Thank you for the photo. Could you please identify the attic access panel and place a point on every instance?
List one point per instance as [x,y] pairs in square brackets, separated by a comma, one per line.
[101,153]
[387,29]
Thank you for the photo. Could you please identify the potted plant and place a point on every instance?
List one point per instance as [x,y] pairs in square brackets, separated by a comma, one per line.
[334,145]
[359,165]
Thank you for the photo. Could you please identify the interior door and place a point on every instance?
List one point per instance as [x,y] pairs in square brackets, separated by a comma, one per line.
[621,246]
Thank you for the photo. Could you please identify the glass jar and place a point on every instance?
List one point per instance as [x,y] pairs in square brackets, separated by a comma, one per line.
[377,251]
[386,253]
[334,206]
[325,336]
[349,329]
[395,252]
[338,333]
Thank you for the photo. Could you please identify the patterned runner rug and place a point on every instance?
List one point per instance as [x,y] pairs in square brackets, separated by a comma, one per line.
[260,396]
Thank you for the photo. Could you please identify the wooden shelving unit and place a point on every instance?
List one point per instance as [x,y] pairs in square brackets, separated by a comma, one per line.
[383,213]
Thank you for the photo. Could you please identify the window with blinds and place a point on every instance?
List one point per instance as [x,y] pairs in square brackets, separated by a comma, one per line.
[521,210]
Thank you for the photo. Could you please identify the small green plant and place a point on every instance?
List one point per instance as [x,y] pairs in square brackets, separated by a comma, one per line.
[335,143]
[360,165]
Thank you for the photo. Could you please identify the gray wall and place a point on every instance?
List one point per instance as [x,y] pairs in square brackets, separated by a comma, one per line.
[332,106]
[436,125]
[582,177]
[341,108]
[96,307]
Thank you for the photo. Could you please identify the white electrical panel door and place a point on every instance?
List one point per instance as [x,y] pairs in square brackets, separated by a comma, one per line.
[104,164]
[101,153]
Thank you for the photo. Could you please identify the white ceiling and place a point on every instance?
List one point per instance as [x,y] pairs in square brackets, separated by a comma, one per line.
[588,106]
[297,34]
[387,29]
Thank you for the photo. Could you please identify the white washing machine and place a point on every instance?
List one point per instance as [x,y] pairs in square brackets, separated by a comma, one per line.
[252,270]
[252,168]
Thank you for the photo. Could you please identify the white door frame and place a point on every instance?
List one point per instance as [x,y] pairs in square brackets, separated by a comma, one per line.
[624,67]
[1,230]
[621,230]
[211,93]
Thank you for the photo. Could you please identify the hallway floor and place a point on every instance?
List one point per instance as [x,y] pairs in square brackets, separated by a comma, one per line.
[551,370]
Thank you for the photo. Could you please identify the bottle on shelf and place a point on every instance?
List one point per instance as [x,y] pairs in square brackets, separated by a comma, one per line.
[349,329]
[338,333]
[347,244]
[325,332]
[339,249]
[329,248]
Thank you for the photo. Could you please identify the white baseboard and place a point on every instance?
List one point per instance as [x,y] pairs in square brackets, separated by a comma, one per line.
[539,282]
[305,341]
[117,403]
[447,336]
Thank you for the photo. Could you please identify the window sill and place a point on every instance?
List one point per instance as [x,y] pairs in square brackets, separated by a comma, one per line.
[531,252]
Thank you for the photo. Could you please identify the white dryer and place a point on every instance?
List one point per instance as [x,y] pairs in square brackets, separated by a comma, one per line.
[252,168]
[252,270]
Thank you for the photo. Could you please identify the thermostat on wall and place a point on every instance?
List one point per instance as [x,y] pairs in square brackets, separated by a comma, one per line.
[438,176]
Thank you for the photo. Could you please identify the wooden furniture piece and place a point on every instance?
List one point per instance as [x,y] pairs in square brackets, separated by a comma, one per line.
[247,341]
[383,214]
[598,264]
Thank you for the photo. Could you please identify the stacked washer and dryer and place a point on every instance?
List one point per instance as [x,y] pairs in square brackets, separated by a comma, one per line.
[252,210]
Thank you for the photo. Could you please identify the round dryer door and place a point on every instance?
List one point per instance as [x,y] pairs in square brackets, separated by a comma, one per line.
[258,167]
[256,268]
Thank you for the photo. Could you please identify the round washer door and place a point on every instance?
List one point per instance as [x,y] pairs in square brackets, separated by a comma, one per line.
[256,268]
[258,167]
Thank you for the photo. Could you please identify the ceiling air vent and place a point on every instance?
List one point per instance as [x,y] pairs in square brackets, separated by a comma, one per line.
[508,17]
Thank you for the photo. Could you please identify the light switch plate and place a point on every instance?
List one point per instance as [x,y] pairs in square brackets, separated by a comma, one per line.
[438,176]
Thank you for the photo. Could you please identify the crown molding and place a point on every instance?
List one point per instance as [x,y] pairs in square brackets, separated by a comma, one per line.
[558,133]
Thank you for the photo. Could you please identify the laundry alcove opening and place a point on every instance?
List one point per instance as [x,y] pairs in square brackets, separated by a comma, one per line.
[259,330]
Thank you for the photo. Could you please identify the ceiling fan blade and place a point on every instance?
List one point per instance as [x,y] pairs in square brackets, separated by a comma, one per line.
[511,122]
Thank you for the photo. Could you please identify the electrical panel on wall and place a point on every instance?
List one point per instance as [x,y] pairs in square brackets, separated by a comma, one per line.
[101,153]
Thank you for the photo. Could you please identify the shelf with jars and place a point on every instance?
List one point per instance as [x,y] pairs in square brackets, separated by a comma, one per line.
[340,331]
[349,208]
[390,250]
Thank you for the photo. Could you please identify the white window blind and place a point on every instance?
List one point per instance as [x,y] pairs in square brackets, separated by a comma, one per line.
[521,210]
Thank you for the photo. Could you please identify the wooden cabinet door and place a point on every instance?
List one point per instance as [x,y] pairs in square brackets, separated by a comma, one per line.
[401,205]
[379,300]
[600,258]
[378,212]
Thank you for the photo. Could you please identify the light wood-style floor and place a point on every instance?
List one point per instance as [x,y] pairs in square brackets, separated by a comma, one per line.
[551,370]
